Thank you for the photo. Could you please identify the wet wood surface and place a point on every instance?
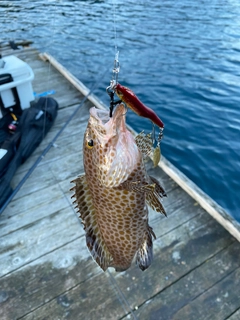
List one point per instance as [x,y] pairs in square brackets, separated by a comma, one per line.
[46,271]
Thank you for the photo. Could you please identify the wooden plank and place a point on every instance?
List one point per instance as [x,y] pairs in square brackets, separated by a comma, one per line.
[47,278]
[168,303]
[216,303]
[235,315]
[137,286]
[94,299]
[176,206]
[54,160]
[75,127]
[35,239]
[22,53]
[202,198]
[13,220]
[73,80]
[176,253]
[39,200]
[42,175]
[20,42]
[64,93]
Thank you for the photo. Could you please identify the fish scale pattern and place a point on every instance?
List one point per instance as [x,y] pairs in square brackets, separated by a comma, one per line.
[115,214]
[121,214]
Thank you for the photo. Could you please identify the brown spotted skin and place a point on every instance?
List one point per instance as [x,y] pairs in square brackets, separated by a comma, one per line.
[121,214]
[112,195]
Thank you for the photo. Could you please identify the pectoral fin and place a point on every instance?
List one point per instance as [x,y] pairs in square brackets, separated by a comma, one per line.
[88,216]
[158,188]
[153,197]
[138,186]
[153,192]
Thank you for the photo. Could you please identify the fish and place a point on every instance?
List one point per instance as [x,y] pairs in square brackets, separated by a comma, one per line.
[128,96]
[113,194]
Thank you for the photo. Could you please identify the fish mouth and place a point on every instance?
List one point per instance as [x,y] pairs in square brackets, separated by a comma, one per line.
[120,154]
[102,118]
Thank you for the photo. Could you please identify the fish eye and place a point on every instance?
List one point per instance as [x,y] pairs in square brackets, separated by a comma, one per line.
[90,144]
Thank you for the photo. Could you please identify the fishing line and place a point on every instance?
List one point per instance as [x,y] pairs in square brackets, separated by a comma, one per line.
[114,26]
[116,67]
[122,298]
[126,306]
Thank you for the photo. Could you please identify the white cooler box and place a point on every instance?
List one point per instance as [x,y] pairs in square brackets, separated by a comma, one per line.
[16,90]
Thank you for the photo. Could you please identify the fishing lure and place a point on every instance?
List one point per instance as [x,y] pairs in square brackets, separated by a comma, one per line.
[128,96]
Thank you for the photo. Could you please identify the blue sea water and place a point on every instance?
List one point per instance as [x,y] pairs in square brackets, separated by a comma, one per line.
[182,58]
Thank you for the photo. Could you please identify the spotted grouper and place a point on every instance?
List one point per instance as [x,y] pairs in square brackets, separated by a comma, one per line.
[113,194]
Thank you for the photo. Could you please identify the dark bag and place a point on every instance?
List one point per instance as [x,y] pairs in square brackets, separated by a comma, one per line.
[15,148]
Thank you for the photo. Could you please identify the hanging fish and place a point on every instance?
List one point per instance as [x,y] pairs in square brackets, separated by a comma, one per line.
[132,101]
[112,195]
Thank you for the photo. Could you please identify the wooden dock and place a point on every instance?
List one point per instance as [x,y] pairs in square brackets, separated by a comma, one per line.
[46,271]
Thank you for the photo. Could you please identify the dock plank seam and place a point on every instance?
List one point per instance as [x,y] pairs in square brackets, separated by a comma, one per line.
[213,285]
[186,274]
[39,257]
[57,296]
[229,317]
[179,225]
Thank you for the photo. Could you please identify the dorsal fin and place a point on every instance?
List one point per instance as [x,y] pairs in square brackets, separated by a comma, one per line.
[88,216]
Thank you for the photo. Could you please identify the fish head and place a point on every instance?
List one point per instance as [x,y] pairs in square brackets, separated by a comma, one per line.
[110,150]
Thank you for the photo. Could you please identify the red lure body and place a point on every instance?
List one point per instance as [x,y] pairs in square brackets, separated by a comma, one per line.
[132,101]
